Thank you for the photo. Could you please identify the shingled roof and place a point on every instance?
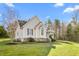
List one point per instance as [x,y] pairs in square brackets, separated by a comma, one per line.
[22,22]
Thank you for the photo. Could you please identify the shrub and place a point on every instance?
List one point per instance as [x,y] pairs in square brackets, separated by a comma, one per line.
[31,39]
[53,40]
[18,40]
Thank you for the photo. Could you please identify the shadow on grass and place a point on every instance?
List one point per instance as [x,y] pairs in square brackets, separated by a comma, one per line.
[11,43]
[56,43]
[59,42]
[54,47]
[4,42]
[74,41]
[67,42]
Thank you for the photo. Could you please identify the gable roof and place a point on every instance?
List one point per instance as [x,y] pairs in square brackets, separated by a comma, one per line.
[22,22]
[34,17]
[39,22]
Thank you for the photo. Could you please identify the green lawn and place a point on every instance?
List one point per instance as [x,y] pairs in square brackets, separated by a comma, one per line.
[65,48]
[28,49]
[59,48]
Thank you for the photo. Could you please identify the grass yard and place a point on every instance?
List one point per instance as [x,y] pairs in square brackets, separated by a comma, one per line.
[59,48]
[65,48]
[28,49]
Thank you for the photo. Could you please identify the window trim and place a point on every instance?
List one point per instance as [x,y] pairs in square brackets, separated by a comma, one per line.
[27,31]
[42,31]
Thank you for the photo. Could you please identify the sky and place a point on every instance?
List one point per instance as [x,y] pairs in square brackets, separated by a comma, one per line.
[61,11]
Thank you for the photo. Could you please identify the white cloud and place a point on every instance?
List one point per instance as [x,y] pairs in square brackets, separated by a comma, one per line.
[47,16]
[59,4]
[71,9]
[68,10]
[10,4]
[76,7]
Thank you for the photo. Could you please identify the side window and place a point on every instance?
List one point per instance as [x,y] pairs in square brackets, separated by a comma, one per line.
[27,31]
[17,33]
[42,31]
[32,31]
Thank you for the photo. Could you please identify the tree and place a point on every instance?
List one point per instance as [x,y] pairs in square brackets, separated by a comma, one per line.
[76,14]
[3,33]
[69,32]
[57,28]
[10,21]
[76,33]
[49,31]
[49,23]
[49,26]
[63,30]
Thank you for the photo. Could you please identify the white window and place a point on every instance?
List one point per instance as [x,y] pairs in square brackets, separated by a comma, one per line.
[17,33]
[27,31]
[42,31]
[31,31]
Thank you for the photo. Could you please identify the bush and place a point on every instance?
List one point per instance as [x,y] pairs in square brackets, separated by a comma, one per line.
[53,40]
[31,40]
[18,40]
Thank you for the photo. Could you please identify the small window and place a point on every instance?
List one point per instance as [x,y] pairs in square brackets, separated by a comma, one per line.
[17,33]
[42,31]
[32,31]
[27,31]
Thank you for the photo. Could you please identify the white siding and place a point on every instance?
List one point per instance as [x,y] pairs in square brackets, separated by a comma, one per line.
[22,33]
